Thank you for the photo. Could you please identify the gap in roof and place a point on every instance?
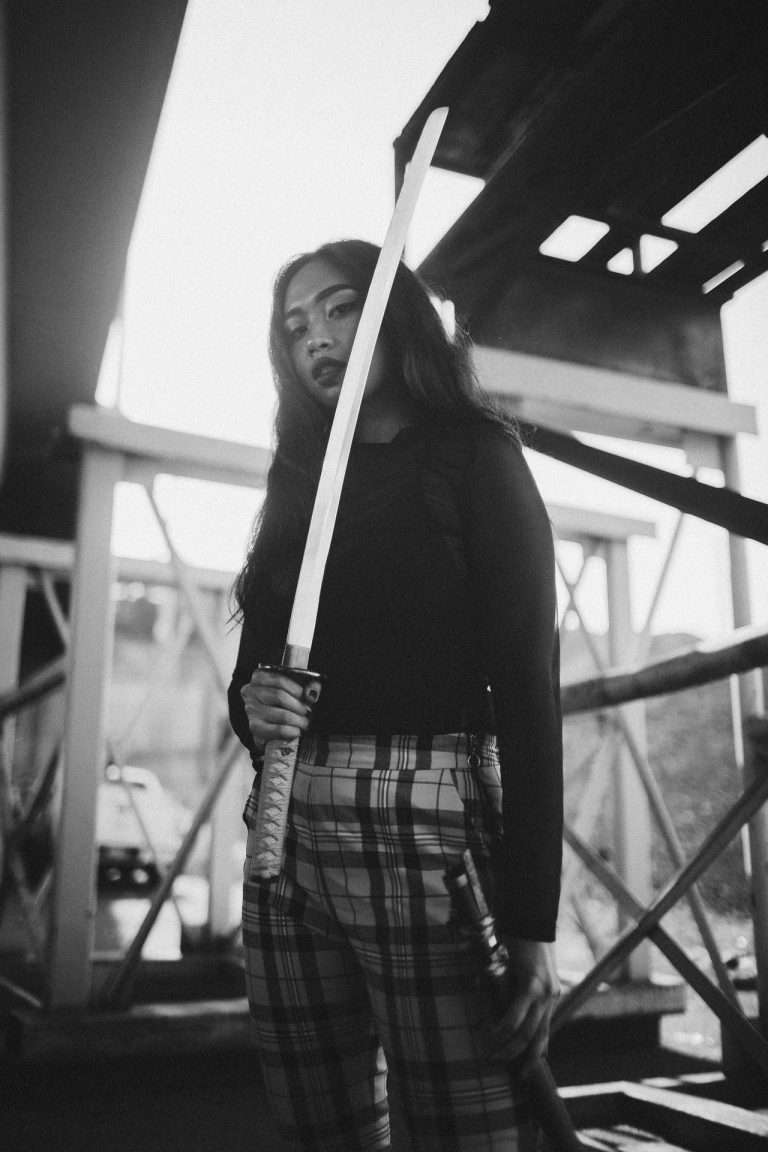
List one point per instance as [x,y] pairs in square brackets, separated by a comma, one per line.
[721,277]
[653,251]
[720,190]
[446,196]
[623,262]
[574,238]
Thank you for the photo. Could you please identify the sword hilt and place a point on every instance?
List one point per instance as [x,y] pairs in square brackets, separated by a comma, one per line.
[276,783]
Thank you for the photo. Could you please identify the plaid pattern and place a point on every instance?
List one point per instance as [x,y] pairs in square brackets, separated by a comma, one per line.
[352,968]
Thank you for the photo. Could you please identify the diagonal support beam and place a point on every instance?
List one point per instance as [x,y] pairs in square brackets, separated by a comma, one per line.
[665,823]
[190,593]
[743,1032]
[117,990]
[742,811]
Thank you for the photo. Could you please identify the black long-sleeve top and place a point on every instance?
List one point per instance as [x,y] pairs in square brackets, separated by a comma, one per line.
[440,584]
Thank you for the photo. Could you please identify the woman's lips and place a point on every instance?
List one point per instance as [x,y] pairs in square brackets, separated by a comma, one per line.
[328,371]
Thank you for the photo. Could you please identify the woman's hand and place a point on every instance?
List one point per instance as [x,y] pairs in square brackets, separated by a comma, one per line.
[274,705]
[522,1033]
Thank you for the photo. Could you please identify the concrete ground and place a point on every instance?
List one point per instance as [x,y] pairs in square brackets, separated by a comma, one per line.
[203,1102]
[212,1100]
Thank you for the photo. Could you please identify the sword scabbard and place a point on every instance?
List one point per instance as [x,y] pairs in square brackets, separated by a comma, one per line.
[475,920]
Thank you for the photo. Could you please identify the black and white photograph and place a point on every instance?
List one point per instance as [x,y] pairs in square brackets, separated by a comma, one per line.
[384,576]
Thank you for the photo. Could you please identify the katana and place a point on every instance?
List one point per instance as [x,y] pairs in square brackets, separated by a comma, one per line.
[280,755]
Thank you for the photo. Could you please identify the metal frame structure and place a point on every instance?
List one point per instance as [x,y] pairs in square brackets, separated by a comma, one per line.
[116,450]
[614,113]
[137,452]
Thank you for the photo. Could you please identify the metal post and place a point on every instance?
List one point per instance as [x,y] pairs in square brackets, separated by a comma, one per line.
[632,828]
[13,592]
[748,700]
[226,824]
[4,273]
[74,891]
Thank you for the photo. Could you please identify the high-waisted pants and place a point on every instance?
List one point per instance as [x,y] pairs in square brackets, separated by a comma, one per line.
[353,970]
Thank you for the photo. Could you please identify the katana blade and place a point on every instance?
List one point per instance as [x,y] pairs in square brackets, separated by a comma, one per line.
[301,629]
[280,756]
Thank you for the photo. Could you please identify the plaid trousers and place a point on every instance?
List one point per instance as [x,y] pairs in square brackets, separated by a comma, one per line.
[352,969]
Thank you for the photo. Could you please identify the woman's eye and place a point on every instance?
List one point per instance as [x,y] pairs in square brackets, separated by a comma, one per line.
[294,334]
[343,308]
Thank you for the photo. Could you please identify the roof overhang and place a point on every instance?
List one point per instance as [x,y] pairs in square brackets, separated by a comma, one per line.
[85,84]
[614,111]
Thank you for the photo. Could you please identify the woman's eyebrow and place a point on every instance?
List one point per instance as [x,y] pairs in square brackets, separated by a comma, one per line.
[323,294]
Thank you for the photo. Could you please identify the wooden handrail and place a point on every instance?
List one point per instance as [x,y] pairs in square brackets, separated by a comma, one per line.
[742,651]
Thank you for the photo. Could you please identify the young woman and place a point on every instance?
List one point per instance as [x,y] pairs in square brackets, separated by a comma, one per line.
[437,728]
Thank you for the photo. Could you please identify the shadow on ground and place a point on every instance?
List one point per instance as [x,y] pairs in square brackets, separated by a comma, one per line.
[213,1101]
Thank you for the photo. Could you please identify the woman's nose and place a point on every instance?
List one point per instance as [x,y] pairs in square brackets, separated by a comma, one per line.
[317,338]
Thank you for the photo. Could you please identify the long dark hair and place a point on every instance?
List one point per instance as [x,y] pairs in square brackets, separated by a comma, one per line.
[436,371]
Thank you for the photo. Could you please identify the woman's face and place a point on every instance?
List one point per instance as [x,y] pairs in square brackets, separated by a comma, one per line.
[320,317]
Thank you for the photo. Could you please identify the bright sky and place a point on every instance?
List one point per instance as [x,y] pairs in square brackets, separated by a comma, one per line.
[276,136]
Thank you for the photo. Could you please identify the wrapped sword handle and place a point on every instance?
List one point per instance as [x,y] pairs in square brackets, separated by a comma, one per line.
[276,783]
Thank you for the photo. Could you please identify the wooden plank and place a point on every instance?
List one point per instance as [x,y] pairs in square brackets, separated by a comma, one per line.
[599,392]
[585,523]
[594,1104]
[690,1122]
[58,557]
[699,1124]
[163,450]
[741,651]
[36,552]
[624,1138]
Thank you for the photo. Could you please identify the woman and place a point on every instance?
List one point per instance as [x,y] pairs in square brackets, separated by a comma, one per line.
[436,642]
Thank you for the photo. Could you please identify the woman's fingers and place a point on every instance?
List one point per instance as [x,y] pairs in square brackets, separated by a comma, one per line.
[522,1033]
[270,685]
[527,1044]
[517,1029]
[275,724]
[274,706]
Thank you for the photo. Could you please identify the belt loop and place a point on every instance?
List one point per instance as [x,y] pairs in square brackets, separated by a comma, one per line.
[474,750]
